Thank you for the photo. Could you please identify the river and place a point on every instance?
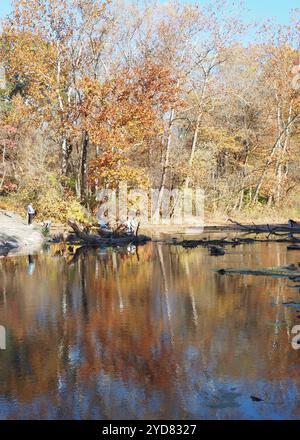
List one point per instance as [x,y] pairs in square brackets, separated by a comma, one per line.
[148,333]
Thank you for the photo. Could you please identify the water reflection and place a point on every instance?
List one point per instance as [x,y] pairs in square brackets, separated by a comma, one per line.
[31,265]
[147,333]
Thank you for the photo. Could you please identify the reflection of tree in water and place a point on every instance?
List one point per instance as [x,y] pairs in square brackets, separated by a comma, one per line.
[164,328]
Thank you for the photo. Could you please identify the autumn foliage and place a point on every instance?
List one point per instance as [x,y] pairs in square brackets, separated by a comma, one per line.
[158,95]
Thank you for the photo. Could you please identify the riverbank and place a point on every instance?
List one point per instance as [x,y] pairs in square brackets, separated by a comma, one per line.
[60,232]
[16,236]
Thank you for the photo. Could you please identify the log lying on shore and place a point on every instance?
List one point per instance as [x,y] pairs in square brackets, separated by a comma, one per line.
[291,272]
[106,238]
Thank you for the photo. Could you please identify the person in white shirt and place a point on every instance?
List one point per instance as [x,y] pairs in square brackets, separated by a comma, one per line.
[30,212]
[130,224]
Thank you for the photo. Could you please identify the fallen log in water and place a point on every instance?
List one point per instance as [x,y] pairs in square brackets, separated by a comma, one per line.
[216,242]
[233,242]
[293,247]
[292,304]
[291,272]
[106,238]
[290,227]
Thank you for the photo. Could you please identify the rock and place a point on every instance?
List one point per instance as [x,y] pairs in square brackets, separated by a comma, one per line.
[256,399]
[216,251]
[291,267]
[16,235]
[221,271]
[190,244]
[3,252]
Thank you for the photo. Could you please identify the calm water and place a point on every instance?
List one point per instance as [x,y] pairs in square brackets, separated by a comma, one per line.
[148,334]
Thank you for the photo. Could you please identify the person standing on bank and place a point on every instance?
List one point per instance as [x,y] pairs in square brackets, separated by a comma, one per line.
[30,212]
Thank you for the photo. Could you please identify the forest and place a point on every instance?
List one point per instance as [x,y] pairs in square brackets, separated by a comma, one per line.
[94,93]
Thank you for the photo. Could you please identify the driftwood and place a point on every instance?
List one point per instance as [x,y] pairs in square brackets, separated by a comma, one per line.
[236,241]
[291,272]
[116,238]
[293,247]
[286,236]
[290,227]
[292,304]
[216,242]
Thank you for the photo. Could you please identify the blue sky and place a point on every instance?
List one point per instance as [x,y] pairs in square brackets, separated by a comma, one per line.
[259,9]
[280,9]
[4,7]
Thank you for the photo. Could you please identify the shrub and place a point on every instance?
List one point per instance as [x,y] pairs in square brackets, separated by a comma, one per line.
[49,199]
[52,205]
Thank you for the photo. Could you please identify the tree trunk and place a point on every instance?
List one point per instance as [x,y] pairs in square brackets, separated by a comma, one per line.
[283,133]
[166,164]
[194,144]
[66,154]
[83,168]
[241,200]
[279,164]
[3,167]
[198,124]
